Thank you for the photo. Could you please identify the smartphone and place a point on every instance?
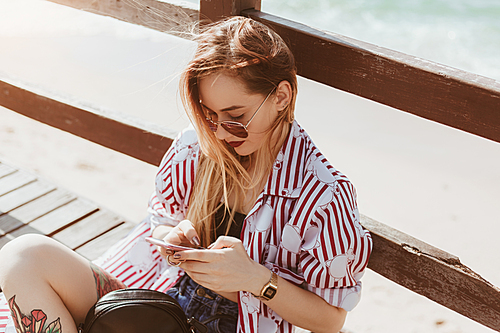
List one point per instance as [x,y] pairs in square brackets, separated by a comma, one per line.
[162,243]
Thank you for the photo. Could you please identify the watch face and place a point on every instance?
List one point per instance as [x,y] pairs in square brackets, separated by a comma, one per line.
[269,292]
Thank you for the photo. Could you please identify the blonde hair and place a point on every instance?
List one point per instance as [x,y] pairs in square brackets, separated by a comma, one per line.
[260,59]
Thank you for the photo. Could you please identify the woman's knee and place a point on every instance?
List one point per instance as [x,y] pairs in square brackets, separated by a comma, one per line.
[23,254]
[29,245]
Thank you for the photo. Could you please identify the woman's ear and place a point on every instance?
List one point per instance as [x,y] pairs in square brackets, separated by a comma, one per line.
[283,95]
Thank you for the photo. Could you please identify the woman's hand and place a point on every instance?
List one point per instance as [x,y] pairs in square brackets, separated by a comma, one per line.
[226,268]
[223,267]
[183,234]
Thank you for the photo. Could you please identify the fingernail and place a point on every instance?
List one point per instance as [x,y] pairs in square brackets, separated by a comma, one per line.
[177,255]
[196,241]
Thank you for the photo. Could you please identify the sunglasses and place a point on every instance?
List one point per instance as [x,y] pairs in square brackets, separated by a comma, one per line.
[233,127]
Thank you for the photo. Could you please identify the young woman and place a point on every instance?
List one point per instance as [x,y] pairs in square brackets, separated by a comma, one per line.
[281,225]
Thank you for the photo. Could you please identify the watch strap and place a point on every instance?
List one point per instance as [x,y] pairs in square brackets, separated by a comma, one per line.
[270,289]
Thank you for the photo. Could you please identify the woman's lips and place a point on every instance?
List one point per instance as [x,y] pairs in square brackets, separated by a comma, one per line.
[235,144]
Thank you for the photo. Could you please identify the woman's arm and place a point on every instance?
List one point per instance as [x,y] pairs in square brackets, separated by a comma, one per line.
[298,306]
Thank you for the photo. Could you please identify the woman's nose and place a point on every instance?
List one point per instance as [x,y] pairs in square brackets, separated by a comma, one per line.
[221,133]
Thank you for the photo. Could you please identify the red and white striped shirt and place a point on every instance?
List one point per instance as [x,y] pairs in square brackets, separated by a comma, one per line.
[304,225]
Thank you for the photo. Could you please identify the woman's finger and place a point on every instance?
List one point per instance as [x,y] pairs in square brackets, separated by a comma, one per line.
[164,252]
[195,255]
[224,242]
[171,262]
[190,232]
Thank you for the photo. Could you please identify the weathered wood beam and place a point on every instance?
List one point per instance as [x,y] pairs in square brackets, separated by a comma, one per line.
[436,92]
[159,15]
[216,10]
[432,273]
[144,141]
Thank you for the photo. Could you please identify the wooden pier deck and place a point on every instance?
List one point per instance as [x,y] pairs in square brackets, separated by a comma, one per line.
[31,204]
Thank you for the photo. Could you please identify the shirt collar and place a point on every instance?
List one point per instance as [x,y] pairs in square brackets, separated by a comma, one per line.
[286,176]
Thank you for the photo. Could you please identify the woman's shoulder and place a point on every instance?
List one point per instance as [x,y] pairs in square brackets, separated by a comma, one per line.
[187,138]
[185,145]
[184,148]
[319,176]
[316,163]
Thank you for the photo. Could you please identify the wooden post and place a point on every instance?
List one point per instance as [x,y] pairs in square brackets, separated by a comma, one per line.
[215,10]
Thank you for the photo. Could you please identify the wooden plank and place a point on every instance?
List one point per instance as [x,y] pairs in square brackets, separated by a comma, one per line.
[6,170]
[158,15]
[9,223]
[14,181]
[17,219]
[43,205]
[27,229]
[216,10]
[98,246]
[5,239]
[88,229]
[436,92]
[64,216]
[23,195]
[432,273]
[131,136]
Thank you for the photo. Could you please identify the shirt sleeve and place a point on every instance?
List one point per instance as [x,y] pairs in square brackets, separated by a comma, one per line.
[334,265]
[174,180]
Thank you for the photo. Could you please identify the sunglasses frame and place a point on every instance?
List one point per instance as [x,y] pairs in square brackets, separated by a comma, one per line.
[228,125]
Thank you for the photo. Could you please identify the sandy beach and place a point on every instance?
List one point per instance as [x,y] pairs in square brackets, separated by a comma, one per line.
[438,184]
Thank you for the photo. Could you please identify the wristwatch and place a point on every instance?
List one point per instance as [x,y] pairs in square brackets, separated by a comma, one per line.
[270,289]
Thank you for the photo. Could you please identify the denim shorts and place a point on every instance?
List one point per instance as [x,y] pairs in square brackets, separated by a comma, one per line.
[219,314]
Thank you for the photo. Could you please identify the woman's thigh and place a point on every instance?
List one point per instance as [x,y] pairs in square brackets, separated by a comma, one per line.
[40,271]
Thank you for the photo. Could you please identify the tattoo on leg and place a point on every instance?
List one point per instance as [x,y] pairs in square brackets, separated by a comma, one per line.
[33,323]
[104,281]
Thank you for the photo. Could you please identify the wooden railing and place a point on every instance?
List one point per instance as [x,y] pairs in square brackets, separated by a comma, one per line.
[449,96]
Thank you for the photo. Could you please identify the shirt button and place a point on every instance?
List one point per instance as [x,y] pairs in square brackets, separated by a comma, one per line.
[200,292]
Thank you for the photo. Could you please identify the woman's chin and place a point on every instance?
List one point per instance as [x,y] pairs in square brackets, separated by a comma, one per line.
[242,152]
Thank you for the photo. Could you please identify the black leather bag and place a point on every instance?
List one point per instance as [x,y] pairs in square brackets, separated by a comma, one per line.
[138,310]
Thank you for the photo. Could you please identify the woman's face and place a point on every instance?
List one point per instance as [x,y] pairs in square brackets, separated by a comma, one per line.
[224,98]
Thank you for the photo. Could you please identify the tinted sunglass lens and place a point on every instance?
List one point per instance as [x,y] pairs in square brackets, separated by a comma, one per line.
[235,129]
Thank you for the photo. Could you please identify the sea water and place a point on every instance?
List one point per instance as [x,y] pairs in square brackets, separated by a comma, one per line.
[464,34]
